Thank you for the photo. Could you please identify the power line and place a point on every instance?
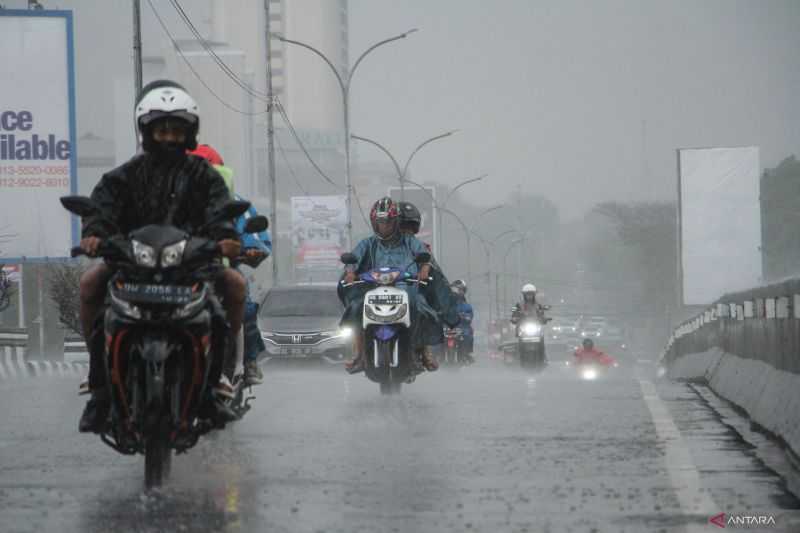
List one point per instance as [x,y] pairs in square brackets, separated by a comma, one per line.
[218,60]
[194,72]
[285,117]
[289,166]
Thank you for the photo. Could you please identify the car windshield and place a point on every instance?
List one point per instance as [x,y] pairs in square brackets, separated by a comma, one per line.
[301,302]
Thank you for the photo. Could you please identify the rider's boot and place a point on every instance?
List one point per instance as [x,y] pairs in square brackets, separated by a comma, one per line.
[356,364]
[95,413]
[252,373]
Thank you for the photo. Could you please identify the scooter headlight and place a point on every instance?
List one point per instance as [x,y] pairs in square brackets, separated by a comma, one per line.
[145,255]
[589,374]
[531,329]
[172,255]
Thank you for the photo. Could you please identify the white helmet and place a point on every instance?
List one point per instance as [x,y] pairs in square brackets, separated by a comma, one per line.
[163,99]
[528,288]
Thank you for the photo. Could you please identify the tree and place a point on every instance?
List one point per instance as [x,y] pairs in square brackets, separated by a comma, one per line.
[64,284]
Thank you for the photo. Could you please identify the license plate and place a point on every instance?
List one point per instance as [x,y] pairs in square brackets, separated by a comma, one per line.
[158,294]
[295,351]
[389,299]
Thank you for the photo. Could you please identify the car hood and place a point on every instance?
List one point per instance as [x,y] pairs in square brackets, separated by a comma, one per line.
[298,324]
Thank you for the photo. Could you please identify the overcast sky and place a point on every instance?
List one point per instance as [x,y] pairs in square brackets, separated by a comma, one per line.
[583,101]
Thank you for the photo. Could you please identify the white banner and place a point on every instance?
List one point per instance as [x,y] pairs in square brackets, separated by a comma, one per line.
[37,135]
[720,222]
[319,234]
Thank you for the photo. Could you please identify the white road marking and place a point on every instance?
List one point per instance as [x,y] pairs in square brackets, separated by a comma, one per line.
[682,472]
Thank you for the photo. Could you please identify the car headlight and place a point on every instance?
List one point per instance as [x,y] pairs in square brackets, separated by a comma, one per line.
[172,255]
[145,255]
[346,332]
[531,328]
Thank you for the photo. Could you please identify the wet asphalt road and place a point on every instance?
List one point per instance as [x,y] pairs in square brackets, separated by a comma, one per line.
[486,449]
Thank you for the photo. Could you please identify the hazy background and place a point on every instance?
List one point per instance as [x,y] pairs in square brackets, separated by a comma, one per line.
[581,101]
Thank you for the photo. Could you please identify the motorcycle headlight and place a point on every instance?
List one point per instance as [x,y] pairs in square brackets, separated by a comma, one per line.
[589,374]
[531,328]
[145,255]
[172,255]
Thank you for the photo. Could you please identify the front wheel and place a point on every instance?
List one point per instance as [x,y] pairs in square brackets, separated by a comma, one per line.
[157,461]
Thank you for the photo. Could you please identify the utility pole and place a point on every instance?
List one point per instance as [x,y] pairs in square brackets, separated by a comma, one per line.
[137,49]
[273,187]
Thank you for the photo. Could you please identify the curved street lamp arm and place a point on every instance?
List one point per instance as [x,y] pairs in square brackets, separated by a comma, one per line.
[324,58]
[426,191]
[495,208]
[422,145]
[511,247]
[385,151]
[370,49]
[467,182]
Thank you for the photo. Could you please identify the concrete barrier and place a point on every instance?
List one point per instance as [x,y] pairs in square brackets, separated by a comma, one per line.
[74,362]
[746,346]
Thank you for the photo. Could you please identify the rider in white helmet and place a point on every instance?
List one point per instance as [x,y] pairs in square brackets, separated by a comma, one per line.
[528,306]
[163,183]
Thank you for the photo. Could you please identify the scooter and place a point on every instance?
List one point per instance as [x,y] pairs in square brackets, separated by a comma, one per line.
[389,354]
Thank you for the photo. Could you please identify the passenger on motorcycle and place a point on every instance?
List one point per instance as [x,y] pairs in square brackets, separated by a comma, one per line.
[588,354]
[466,315]
[257,247]
[163,184]
[528,307]
[388,247]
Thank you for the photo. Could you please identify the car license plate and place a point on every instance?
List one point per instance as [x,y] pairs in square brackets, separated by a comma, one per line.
[158,294]
[290,350]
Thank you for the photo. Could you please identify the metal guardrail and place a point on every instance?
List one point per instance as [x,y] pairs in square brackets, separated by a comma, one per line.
[762,323]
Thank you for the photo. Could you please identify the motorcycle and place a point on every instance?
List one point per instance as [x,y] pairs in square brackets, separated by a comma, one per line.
[453,339]
[530,344]
[164,335]
[389,355]
[595,369]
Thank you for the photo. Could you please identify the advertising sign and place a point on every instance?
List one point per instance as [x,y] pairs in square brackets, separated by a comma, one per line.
[424,200]
[720,222]
[319,235]
[37,135]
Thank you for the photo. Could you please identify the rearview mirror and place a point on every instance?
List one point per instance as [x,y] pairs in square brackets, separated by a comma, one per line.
[422,257]
[83,206]
[256,224]
[349,259]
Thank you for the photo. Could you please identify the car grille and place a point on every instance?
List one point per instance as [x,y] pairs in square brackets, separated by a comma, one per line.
[298,338]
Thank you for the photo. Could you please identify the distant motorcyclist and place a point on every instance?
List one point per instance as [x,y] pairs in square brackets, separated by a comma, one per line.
[588,354]
[528,307]
[257,247]
[466,315]
[388,247]
[161,185]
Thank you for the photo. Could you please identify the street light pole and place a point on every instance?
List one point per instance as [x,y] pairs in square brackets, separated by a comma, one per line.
[401,172]
[444,204]
[344,85]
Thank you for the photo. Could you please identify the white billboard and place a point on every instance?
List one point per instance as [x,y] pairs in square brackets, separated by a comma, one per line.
[720,222]
[37,135]
[319,235]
